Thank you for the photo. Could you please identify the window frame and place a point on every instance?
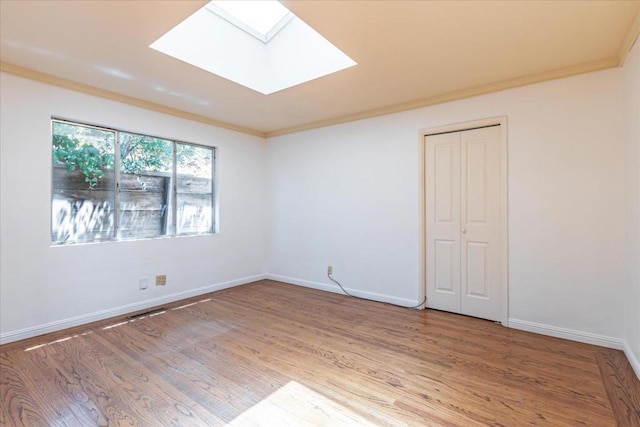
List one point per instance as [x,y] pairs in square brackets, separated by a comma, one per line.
[213,229]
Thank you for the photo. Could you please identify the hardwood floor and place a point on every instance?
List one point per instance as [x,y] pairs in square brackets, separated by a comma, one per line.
[268,353]
[622,386]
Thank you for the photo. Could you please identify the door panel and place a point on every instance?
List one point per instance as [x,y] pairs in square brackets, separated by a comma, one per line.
[444,266]
[480,222]
[476,270]
[463,222]
[442,158]
[444,182]
[476,181]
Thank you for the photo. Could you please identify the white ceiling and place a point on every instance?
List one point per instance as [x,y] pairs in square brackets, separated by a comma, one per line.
[409,53]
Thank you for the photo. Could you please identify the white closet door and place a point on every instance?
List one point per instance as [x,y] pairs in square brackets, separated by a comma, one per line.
[463,222]
[443,221]
[480,223]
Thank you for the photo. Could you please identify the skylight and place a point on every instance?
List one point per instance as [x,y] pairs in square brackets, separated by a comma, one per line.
[262,18]
[257,44]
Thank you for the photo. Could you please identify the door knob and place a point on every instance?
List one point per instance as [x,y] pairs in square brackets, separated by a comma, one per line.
[464,230]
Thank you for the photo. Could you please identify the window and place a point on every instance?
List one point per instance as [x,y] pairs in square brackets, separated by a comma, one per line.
[84,182]
[112,185]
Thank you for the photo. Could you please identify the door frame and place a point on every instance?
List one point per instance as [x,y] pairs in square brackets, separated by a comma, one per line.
[504,205]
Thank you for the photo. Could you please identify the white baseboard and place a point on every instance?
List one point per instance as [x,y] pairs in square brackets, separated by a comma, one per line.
[633,359]
[404,302]
[58,325]
[567,334]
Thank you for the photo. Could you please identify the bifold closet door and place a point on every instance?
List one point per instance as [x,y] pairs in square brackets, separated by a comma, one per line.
[463,222]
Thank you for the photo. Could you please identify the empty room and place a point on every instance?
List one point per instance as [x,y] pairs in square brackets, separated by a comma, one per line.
[319,213]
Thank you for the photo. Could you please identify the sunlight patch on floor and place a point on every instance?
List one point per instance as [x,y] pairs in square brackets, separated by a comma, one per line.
[296,405]
[57,341]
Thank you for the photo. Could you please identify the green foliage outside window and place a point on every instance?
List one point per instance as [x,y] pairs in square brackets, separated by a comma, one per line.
[92,152]
[139,154]
[76,155]
[82,148]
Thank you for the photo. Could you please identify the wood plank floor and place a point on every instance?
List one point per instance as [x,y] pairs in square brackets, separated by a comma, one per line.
[268,353]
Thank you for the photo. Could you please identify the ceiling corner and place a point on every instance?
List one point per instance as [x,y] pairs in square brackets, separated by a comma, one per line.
[629,40]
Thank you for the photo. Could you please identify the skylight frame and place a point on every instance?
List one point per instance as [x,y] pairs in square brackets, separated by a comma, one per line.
[232,19]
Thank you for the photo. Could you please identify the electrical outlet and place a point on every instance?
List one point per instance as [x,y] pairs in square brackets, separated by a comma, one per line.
[329,270]
[144,283]
[161,280]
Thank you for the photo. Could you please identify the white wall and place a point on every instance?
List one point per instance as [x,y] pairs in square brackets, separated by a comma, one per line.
[349,196]
[43,287]
[632,207]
